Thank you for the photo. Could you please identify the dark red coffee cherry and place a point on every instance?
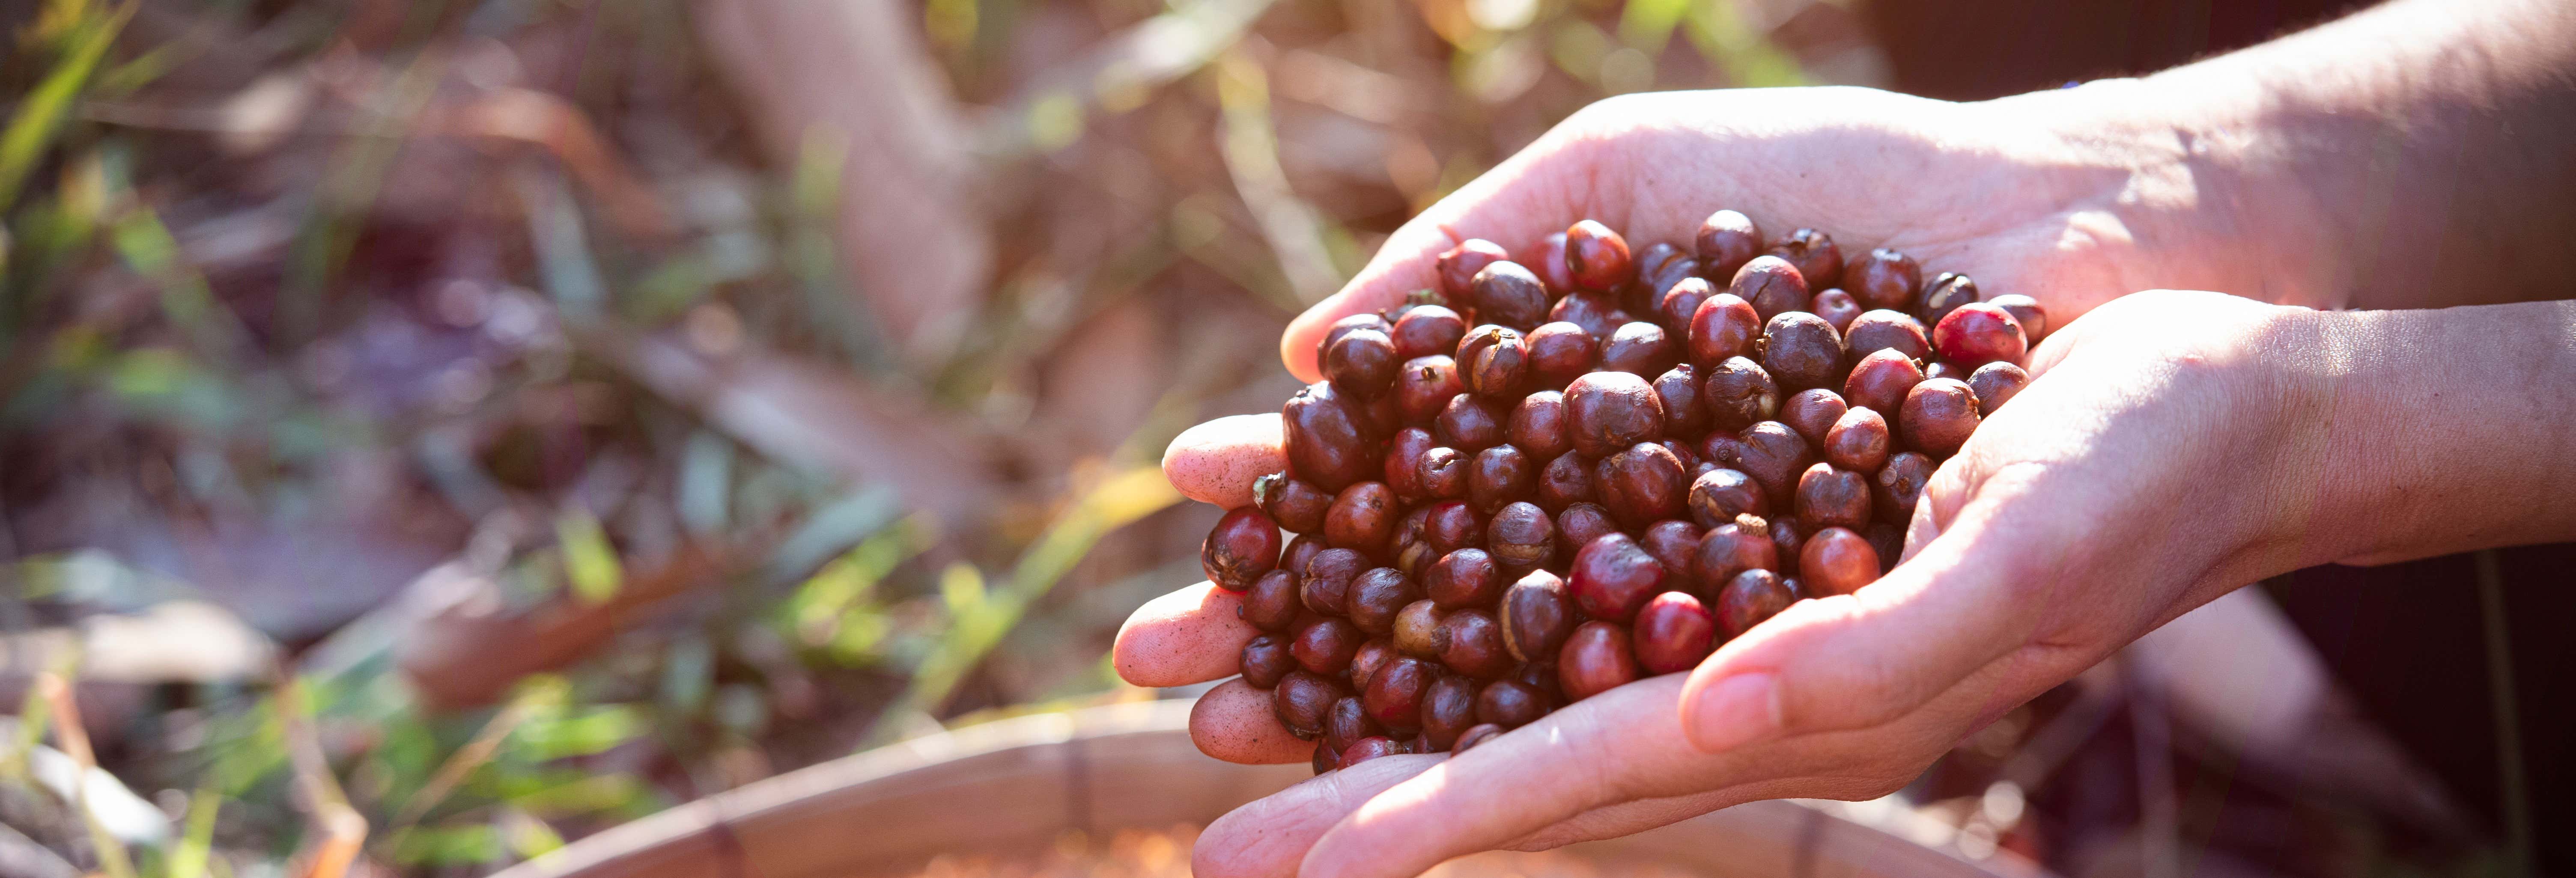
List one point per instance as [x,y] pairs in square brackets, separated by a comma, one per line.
[1292,503]
[1899,485]
[1596,257]
[1639,348]
[1565,481]
[1772,284]
[1362,517]
[1301,551]
[1471,643]
[1394,695]
[1369,748]
[1325,646]
[1272,604]
[1376,595]
[1938,415]
[1678,388]
[1813,411]
[2026,310]
[1372,657]
[1539,426]
[1362,364]
[1883,278]
[1424,387]
[1837,561]
[1452,525]
[1348,723]
[1458,266]
[1726,241]
[1656,287]
[1372,322]
[1774,455]
[1830,497]
[1673,633]
[1802,350]
[1732,548]
[1464,578]
[1995,382]
[1560,351]
[1510,704]
[1475,736]
[1739,392]
[1945,293]
[1787,537]
[1448,709]
[1859,441]
[1266,660]
[1978,333]
[1442,473]
[1417,627]
[1653,256]
[1331,443]
[1672,542]
[1613,410]
[1536,614]
[1243,546]
[1837,307]
[1721,494]
[1815,255]
[1675,307]
[1579,525]
[1521,536]
[1881,380]
[1500,476]
[1644,484]
[1596,315]
[1596,658]
[1613,576]
[1304,702]
[1493,361]
[1428,329]
[1327,585]
[1752,596]
[1725,325]
[1887,330]
[1508,294]
[1470,423]
[1404,466]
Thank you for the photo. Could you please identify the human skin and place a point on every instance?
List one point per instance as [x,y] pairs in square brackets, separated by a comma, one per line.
[2411,156]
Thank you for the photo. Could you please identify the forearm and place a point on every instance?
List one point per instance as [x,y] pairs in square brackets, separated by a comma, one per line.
[2434,431]
[2413,155]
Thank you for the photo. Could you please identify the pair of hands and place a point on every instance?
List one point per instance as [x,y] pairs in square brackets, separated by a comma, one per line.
[2150,466]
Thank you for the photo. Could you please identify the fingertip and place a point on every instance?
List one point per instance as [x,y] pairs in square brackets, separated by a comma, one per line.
[1271,836]
[1216,462]
[1234,722]
[1189,636]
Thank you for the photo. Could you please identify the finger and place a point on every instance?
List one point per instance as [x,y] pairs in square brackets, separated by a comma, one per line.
[1189,636]
[1234,722]
[1968,597]
[1216,462]
[1267,837]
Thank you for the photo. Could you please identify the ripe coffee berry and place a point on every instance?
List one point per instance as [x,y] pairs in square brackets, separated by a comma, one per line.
[1883,278]
[1521,536]
[1672,543]
[1978,333]
[1837,561]
[1774,455]
[1723,326]
[1394,695]
[1463,578]
[1510,704]
[1377,595]
[1561,350]
[1539,426]
[2026,310]
[1813,411]
[1372,657]
[1579,525]
[1938,415]
[1458,266]
[1858,441]
[1362,517]
[1727,240]
[1567,480]
[1641,485]
[1348,723]
[1639,348]
[1613,410]
[1802,350]
[1267,659]
[1880,381]
[1417,627]
[1596,315]
[1536,615]
[1596,658]
[1325,647]
[1361,364]
[1945,293]
[1613,576]
[1470,423]
[1837,307]
[1291,503]
[1898,485]
[1448,709]
[1814,254]
[1328,439]
[1471,643]
[1772,284]
[1424,386]
[1995,382]
[1874,331]
[1327,584]
[1272,604]
[1673,633]
[1721,494]
[1244,545]
[1678,388]
[1830,497]
[1729,549]
[1751,597]
[1428,329]
[1739,392]
[1304,702]
[1596,257]
[1493,361]
[1499,476]
[1507,294]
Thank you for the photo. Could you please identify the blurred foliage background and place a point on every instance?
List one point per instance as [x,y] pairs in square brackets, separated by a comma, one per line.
[432,431]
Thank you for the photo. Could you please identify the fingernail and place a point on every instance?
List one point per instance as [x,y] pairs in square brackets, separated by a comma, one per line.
[1736,711]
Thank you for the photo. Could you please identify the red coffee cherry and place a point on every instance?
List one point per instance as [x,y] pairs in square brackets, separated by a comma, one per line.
[1613,410]
[1813,411]
[1729,549]
[1838,561]
[1837,307]
[1243,546]
[1883,278]
[1880,381]
[1536,615]
[1772,284]
[1815,255]
[1596,258]
[1596,658]
[1995,382]
[1304,702]
[1938,415]
[1267,660]
[1978,333]
[1508,294]
[1947,291]
[1560,351]
[1361,364]
[1613,577]
[1749,598]
[1899,485]
[1673,633]
[1458,266]
[1425,330]
[1859,441]
[1719,495]
[1830,497]
[2027,310]
[1724,325]
[1540,426]
[1726,241]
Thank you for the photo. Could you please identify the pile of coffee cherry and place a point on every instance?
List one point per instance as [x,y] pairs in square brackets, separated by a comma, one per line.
[1558,473]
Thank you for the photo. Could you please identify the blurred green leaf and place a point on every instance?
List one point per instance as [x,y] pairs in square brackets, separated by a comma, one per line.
[589,561]
[40,116]
[188,859]
[468,845]
[577,732]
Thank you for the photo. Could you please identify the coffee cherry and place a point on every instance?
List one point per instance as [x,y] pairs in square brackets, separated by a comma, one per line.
[1509,295]
[1348,723]
[1458,266]
[1493,361]
[1272,604]
[1858,441]
[1945,293]
[1772,284]
[1814,254]
[1995,382]
[1837,307]
[1452,525]
[1560,351]
[1653,256]
[1325,646]
[1675,307]
[1371,658]
[1899,485]
[1678,389]
[1521,536]
[1613,410]
[1330,442]
[1301,552]
[1874,331]
[1427,330]
[1354,323]
[1656,287]
[1424,387]
[1639,348]
[1596,315]
[1471,643]
[1724,326]
[1475,736]
[1362,364]
[1692,464]
[1416,629]
[1830,497]
[1536,614]
[1813,411]
[1267,659]
[1749,598]
[1978,333]
[1509,704]
[1500,476]
[1739,392]
[1613,576]
[1243,546]
[1802,350]
[1732,548]
[1303,702]
[1463,578]
[1394,695]
[1945,369]
[2026,311]
[1673,633]
[1727,240]
[1596,659]
[1539,426]
[1404,467]
[1721,494]
[1327,585]
[1566,480]
[1596,257]
[1643,484]
[1671,542]
[1541,676]
[1938,415]
[1837,561]
[1774,455]
[1377,595]
[1787,537]
[1880,381]
[1362,517]
[1292,503]
[1448,708]
[1442,472]
[1470,423]
[1883,278]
